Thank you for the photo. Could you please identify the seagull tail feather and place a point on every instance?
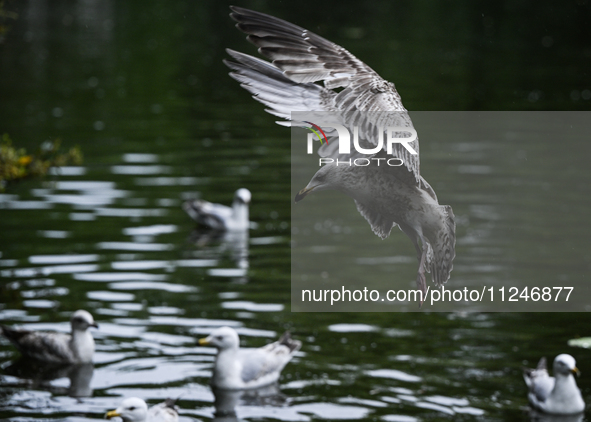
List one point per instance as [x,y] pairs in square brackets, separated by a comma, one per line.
[444,249]
[286,340]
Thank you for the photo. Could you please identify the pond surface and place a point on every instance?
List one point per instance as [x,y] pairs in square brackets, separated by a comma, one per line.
[141,88]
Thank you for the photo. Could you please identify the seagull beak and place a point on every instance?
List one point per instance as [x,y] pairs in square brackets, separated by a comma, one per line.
[204,341]
[303,193]
[576,371]
[112,414]
[95,325]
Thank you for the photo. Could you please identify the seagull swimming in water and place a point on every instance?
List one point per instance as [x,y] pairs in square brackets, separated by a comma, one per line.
[238,368]
[77,347]
[220,217]
[386,196]
[135,409]
[557,395]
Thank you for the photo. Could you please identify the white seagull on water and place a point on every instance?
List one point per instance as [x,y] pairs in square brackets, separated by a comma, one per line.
[385,196]
[238,368]
[221,217]
[557,395]
[77,347]
[135,409]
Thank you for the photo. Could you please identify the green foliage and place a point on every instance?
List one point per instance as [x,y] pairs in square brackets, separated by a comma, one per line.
[5,17]
[16,164]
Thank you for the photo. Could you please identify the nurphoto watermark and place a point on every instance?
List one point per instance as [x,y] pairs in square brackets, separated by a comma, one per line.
[379,231]
[404,136]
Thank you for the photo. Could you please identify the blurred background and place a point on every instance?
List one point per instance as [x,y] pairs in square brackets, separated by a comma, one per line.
[141,88]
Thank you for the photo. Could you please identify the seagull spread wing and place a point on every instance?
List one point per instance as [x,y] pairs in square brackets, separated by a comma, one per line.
[299,59]
[354,96]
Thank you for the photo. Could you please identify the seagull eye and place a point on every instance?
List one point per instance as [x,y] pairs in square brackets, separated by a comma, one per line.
[132,408]
[220,338]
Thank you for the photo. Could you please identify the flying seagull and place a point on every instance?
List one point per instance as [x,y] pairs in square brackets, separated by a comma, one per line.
[221,217]
[385,196]
[238,368]
[135,409]
[77,347]
[557,395]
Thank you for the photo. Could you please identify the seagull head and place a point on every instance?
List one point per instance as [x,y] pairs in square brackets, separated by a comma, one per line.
[565,364]
[242,195]
[327,177]
[81,320]
[132,409]
[223,338]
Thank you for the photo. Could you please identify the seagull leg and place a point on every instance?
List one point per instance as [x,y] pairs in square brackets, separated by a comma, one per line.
[422,257]
[421,280]
[417,240]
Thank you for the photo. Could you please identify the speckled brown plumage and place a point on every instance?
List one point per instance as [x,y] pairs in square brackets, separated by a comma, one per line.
[385,196]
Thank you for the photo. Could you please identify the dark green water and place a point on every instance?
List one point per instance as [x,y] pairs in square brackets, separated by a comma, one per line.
[141,88]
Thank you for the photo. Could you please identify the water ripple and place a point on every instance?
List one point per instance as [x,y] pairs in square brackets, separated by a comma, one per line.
[393,374]
[108,277]
[133,246]
[150,230]
[62,259]
[54,269]
[152,285]
[146,169]
[252,306]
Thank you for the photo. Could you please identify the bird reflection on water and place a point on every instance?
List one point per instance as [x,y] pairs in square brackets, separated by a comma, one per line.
[219,244]
[40,375]
[226,401]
